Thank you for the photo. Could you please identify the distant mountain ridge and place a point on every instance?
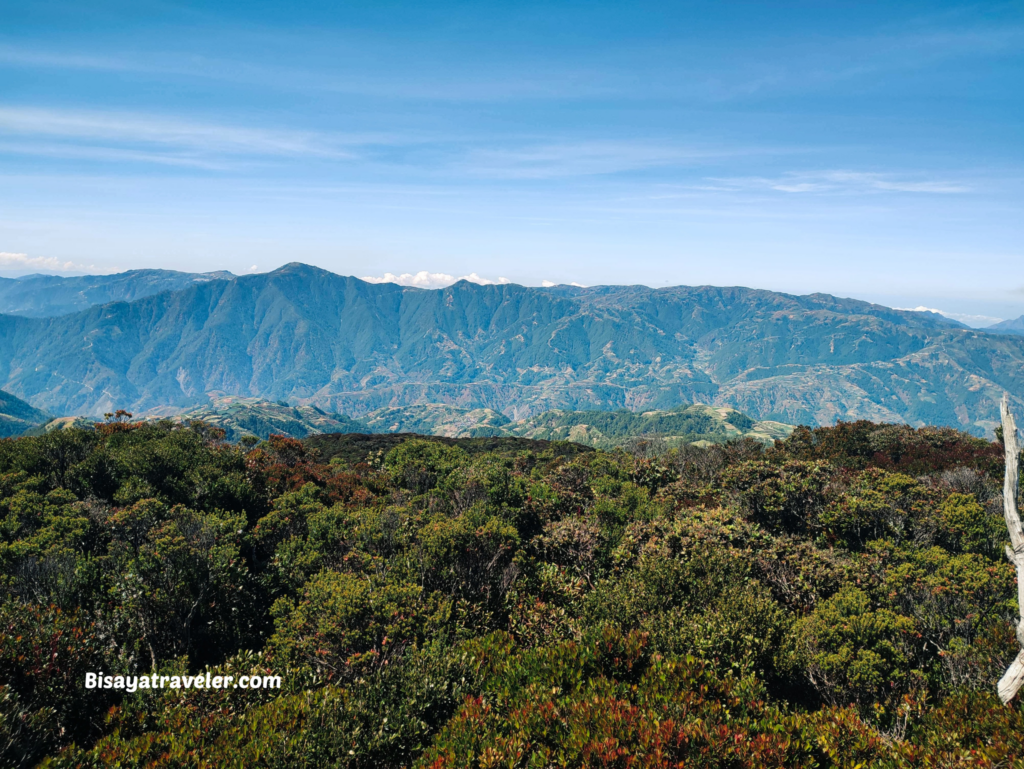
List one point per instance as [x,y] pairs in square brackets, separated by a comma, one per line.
[239,417]
[1015,326]
[253,416]
[44,296]
[684,424]
[310,337]
[437,419]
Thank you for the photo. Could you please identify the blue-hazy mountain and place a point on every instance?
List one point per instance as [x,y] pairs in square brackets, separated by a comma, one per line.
[1015,326]
[308,336]
[43,296]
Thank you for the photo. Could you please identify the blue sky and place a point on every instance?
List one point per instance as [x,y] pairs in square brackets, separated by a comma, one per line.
[866,149]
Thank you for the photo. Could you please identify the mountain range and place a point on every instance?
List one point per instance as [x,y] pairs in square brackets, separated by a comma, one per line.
[42,296]
[1015,326]
[312,338]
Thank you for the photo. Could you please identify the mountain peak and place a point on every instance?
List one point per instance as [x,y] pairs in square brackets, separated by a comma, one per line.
[1013,326]
[300,267]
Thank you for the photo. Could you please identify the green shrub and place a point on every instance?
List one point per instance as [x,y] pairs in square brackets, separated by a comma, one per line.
[346,624]
[970,527]
[880,505]
[421,465]
[741,630]
[782,498]
[470,556]
[839,599]
[44,656]
[855,654]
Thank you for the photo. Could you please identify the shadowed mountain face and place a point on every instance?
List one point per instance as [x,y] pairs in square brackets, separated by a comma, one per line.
[45,296]
[308,336]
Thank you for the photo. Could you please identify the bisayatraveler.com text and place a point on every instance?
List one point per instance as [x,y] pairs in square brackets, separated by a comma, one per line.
[157,681]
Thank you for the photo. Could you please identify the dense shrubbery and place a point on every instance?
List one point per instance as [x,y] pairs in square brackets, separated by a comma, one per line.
[838,599]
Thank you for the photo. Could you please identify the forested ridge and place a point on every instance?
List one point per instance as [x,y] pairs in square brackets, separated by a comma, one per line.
[838,599]
[308,337]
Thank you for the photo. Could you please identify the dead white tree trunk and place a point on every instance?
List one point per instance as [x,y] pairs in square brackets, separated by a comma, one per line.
[1014,676]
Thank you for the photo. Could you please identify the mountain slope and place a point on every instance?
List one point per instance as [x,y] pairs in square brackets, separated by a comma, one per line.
[686,424]
[1015,326]
[43,296]
[308,336]
[436,419]
[16,416]
[254,416]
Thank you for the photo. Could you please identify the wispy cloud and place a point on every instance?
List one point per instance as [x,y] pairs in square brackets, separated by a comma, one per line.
[25,262]
[10,54]
[693,71]
[168,133]
[424,279]
[111,154]
[947,41]
[837,182]
[488,84]
[549,161]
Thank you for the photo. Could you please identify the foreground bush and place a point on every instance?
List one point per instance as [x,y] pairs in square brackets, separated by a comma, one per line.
[839,599]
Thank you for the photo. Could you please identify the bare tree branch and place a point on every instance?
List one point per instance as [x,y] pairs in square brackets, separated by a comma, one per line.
[1014,676]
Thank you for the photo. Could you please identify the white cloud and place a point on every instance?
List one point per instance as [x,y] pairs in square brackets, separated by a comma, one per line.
[24,261]
[474,278]
[424,279]
[839,182]
[551,283]
[975,321]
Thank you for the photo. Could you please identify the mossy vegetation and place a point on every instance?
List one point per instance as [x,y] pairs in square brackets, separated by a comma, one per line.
[835,599]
